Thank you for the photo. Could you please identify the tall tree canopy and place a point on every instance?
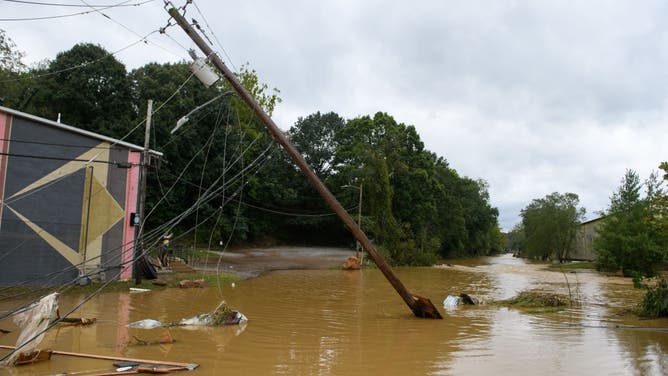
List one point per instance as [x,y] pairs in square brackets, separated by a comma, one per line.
[550,225]
[223,179]
[88,87]
[632,238]
[415,205]
[11,70]
[314,136]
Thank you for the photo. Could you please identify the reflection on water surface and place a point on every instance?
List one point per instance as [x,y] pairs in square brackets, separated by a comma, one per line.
[330,322]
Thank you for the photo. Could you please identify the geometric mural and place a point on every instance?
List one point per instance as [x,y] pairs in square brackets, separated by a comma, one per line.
[66,199]
[99,210]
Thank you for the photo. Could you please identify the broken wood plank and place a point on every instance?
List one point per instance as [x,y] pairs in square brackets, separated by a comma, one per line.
[189,366]
[32,357]
[77,321]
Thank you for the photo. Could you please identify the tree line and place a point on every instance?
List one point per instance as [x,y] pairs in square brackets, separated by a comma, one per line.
[236,186]
[632,238]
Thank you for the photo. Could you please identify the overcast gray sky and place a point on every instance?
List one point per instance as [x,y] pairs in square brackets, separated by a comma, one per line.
[532,96]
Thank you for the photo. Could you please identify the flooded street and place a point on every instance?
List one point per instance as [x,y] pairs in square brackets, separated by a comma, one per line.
[331,322]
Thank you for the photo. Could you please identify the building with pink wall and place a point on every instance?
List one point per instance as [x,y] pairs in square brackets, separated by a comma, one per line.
[68,197]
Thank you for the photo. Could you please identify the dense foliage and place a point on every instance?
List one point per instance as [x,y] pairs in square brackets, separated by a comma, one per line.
[633,236]
[655,301]
[549,226]
[222,179]
[11,69]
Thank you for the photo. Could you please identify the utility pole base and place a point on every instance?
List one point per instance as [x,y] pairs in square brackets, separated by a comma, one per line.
[425,309]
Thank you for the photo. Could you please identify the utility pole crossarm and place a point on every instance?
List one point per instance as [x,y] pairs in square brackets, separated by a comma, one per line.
[421,307]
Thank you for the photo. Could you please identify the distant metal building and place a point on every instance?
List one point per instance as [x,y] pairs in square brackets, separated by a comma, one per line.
[67,199]
[584,240]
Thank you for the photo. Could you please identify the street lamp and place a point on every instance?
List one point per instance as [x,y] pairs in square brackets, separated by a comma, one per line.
[186,117]
[358,246]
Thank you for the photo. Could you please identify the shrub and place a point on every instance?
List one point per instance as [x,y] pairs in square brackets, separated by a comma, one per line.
[655,302]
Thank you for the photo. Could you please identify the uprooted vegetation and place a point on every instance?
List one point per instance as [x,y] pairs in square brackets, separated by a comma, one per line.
[537,301]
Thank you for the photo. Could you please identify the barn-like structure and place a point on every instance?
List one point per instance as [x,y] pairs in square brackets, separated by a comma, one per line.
[68,202]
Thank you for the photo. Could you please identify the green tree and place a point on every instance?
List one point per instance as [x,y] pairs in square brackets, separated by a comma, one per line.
[627,241]
[88,87]
[11,59]
[12,69]
[516,239]
[219,156]
[416,206]
[314,137]
[550,225]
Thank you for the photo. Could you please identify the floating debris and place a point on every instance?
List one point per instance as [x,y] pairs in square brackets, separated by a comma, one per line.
[452,301]
[222,315]
[197,283]
[145,324]
[536,298]
[165,339]
[33,322]
[32,357]
[353,263]
[77,321]
[137,289]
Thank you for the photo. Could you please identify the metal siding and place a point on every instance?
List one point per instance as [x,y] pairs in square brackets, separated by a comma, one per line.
[56,206]
[27,258]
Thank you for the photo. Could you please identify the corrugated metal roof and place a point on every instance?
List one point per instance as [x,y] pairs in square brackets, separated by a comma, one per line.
[80,131]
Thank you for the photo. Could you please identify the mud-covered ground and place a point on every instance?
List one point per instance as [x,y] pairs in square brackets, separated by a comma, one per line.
[251,262]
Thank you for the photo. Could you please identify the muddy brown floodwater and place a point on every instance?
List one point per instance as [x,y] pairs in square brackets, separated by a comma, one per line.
[332,322]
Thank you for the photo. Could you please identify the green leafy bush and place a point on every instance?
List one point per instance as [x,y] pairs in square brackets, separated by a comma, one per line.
[655,302]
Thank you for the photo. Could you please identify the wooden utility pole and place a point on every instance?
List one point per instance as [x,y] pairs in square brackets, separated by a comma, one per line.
[421,307]
[359,223]
[142,191]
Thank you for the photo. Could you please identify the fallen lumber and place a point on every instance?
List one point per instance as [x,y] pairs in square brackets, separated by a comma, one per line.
[76,321]
[32,357]
[185,366]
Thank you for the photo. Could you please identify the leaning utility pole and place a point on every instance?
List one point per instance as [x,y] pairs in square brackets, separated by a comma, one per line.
[421,307]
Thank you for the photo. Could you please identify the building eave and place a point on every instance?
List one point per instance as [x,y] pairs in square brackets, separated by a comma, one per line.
[80,131]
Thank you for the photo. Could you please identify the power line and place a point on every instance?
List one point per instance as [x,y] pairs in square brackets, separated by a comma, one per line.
[54,144]
[76,5]
[94,9]
[265,209]
[220,45]
[68,15]
[84,64]
[122,164]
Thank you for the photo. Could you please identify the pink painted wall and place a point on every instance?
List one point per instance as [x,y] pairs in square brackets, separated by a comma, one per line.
[5,132]
[131,191]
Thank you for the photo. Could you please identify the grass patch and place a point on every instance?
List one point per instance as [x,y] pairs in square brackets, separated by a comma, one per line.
[194,253]
[573,266]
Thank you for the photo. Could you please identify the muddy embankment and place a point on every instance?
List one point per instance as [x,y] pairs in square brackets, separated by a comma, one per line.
[251,262]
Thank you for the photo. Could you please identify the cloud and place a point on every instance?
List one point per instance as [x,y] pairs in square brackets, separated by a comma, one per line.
[534,97]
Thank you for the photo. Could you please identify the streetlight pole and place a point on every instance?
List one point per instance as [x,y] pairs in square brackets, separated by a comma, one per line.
[358,245]
[359,223]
